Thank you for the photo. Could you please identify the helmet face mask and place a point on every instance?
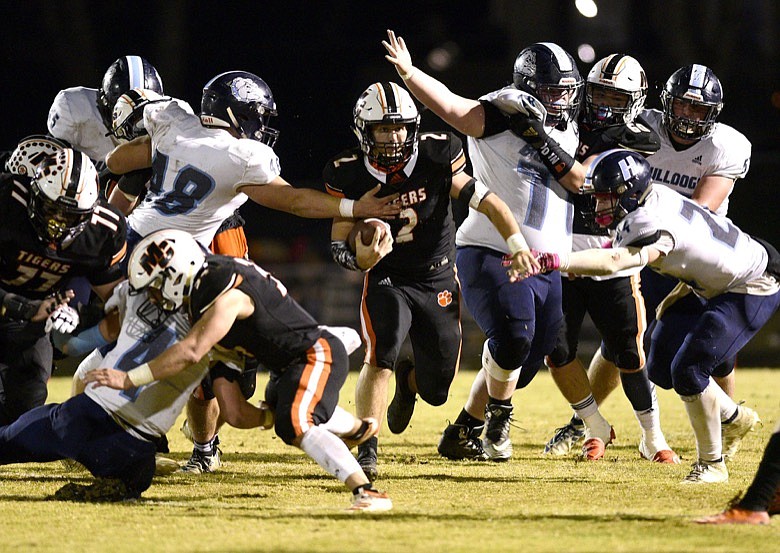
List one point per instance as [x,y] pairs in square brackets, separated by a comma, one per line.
[242,102]
[164,264]
[619,181]
[63,194]
[615,92]
[549,73]
[125,73]
[692,100]
[386,110]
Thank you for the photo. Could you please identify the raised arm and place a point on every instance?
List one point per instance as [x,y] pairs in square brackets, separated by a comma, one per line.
[464,114]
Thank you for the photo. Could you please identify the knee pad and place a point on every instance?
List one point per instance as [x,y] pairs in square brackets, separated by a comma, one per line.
[725,368]
[628,362]
[494,370]
[559,357]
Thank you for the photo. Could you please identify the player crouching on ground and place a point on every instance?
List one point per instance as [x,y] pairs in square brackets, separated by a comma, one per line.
[237,307]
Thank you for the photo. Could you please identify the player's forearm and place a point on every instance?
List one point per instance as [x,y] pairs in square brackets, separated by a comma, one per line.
[601,262]
[500,215]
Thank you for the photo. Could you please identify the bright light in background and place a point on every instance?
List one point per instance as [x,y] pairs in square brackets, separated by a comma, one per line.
[586,53]
[587,8]
[441,58]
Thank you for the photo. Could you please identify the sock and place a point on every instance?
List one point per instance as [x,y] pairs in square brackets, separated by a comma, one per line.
[329,452]
[650,422]
[638,389]
[467,420]
[206,447]
[728,408]
[704,415]
[588,411]
[494,401]
[341,422]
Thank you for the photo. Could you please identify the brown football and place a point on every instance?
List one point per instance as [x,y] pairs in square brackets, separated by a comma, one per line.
[366,230]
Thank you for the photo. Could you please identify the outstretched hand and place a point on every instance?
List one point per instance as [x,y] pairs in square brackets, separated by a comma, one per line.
[524,265]
[398,55]
[369,205]
[110,378]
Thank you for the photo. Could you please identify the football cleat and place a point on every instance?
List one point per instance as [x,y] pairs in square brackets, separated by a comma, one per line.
[593,449]
[367,457]
[401,408]
[496,442]
[733,432]
[704,472]
[201,462]
[369,428]
[163,466]
[564,439]
[664,456]
[735,515]
[370,501]
[459,442]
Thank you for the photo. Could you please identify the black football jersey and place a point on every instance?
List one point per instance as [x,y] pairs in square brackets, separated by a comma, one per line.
[637,136]
[34,269]
[424,232]
[279,331]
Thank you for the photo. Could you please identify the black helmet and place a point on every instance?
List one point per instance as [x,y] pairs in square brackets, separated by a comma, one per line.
[697,85]
[549,73]
[240,101]
[125,73]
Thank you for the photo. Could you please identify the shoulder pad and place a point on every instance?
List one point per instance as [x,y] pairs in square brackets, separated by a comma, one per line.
[637,229]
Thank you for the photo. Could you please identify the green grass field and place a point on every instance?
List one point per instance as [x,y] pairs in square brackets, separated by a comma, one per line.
[270,497]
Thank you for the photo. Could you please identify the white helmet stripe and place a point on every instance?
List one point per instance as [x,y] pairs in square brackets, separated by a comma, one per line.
[564,62]
[135,71]
[698,73]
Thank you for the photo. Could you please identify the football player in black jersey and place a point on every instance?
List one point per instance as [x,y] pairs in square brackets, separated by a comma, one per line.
[410,285]
[238,308]
[53,227]
[615,94]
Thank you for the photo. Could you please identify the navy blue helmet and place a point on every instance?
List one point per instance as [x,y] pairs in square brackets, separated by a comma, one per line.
[240,101]
[697,85]
[125,73]
[626,177]
[549,73]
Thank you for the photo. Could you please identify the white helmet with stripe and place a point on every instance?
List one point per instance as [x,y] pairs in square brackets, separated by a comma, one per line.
[618,77]
[30,152]
[63,194]
[128,116]
[386,104]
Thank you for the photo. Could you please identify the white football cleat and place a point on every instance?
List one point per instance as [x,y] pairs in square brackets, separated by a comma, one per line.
[706,472]
[732,433]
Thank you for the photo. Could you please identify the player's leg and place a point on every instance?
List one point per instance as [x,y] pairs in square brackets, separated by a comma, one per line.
[569,375]
[386,319]
[25,368]
[727,324]
[435,336]
[313,388]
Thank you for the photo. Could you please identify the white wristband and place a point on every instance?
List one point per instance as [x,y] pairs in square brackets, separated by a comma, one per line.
[516,243]
[408,75]
[141,375]
[563,262]
[346,208]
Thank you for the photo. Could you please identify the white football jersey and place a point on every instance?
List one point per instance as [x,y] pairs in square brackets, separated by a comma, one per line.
[706,251]
[197,171]
[153,408]
[511,168]
[724,152]
[74,117]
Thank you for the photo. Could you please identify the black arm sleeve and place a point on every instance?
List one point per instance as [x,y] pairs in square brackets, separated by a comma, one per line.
[555,158]
[14,306]
[134,182]
[495,120]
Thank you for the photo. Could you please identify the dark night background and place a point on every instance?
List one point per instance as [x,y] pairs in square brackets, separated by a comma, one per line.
[318,56]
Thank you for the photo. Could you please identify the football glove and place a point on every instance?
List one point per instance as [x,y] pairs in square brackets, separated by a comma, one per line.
[64,319]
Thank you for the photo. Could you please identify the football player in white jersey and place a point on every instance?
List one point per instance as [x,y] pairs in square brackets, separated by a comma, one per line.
[533,177]
[702,160]
[204,168]
[733,276]
[615,94]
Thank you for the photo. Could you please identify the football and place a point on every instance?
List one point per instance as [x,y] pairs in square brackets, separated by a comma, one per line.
[366,230]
